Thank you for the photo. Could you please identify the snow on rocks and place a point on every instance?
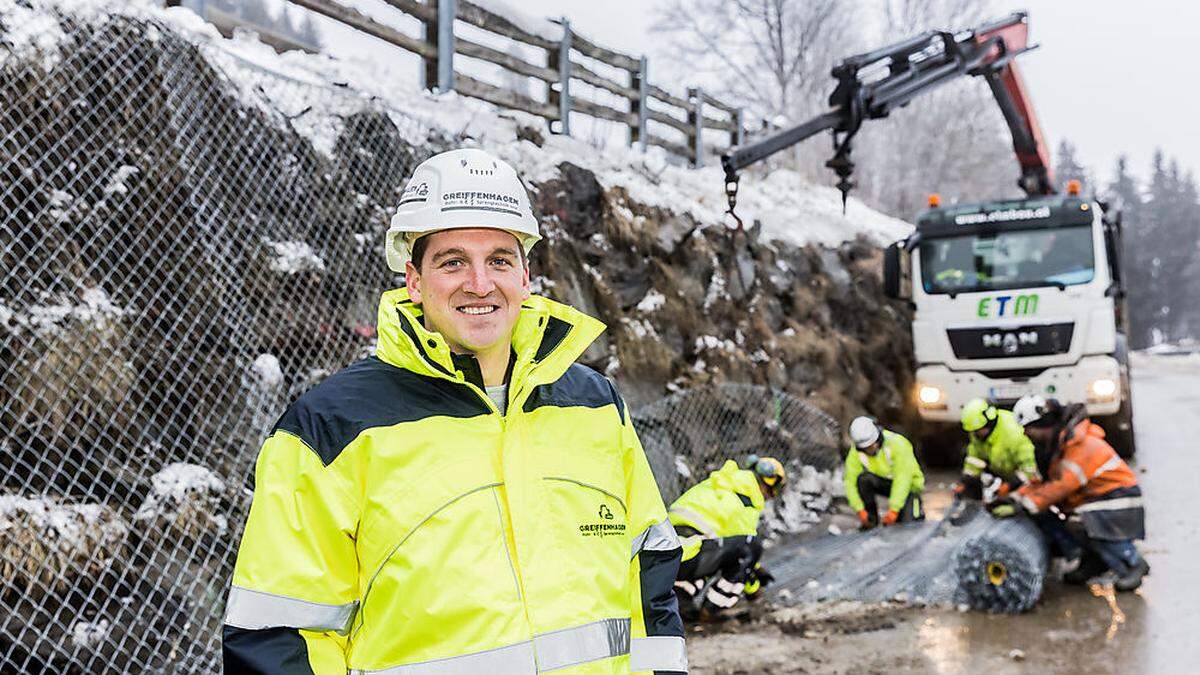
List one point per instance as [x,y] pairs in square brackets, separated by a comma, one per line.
[293,257]
[266,367]
[89,634]
[788,207]
[808,494]
[116,183]
[92,308]
[652,301]
[46,543]
[185,499]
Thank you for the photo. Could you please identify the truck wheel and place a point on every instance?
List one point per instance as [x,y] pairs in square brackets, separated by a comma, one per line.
[1118,430]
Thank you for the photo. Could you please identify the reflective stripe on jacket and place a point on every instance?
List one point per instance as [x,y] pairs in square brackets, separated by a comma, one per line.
[728,503]
[400,524]
[895,461]
[1007,453]
[1086,469]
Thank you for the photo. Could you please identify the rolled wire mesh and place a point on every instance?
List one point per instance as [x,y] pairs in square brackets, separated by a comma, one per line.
[185,248]
[985,563]
[1003,569]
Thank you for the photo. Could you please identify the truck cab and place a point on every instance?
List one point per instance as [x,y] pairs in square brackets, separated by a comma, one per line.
[1015,297]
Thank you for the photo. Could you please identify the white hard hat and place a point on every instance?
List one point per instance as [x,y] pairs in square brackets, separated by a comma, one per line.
[864,432]
[1030,408]
[455,190]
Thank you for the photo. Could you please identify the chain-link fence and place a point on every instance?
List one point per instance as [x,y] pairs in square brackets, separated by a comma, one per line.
[170,233]
[690,433]
[185,248]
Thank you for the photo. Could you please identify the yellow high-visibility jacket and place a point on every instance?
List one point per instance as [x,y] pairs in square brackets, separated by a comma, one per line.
[728,503]
[896,461]
[1007,453]
[401,524]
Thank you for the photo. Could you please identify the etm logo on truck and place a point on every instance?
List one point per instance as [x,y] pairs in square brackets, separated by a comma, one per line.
[1008,305]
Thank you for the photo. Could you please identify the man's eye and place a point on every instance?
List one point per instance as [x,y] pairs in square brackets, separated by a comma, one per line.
[453,262]
[503,262]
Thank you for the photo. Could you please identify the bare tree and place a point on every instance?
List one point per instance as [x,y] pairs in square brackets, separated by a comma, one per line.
[952,141]
[770,56]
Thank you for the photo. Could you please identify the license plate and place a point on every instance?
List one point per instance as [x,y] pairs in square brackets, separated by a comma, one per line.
[1010,392]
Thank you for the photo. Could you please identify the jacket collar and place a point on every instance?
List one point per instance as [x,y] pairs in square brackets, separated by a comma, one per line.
[548,337]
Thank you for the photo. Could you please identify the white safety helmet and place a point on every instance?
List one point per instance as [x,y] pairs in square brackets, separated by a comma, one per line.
[455,190]
[1030,408]
[864,432]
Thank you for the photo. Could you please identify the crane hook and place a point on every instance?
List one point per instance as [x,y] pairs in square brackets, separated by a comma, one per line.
[731,190]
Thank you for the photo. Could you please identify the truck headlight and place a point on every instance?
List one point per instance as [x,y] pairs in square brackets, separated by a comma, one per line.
[929,396]
[1102,389]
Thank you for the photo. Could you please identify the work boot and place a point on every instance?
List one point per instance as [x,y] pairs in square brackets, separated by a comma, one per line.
[1133,578]
[1090,565]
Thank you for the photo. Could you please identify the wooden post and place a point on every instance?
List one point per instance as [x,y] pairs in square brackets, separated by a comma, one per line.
[561,60]
[696,120]
[739,136]
[640,82]
[439,71]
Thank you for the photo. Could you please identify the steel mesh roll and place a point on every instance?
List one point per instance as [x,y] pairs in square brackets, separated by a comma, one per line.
[1003,568]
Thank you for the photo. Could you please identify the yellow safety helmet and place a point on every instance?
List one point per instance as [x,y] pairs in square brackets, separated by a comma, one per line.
[977,414]
[769,471]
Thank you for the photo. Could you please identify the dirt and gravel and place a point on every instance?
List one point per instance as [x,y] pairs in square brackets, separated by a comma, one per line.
[1072,630]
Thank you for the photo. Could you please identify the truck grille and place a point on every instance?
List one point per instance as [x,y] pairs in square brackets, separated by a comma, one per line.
[999,343]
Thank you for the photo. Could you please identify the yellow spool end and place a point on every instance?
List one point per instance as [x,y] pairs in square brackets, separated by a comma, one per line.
[996,573]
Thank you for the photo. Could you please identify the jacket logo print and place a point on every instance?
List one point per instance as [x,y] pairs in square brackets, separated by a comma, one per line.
[602,529]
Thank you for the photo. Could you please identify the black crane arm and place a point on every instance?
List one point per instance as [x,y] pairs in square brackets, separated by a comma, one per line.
[871,85]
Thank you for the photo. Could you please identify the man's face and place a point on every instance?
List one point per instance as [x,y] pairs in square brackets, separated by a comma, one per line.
[871,449]
[982,433]
[470,287]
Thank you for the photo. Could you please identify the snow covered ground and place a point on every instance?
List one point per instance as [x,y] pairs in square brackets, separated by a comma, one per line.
[788,208]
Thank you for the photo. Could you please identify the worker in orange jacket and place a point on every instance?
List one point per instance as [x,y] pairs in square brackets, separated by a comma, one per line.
[1087,479]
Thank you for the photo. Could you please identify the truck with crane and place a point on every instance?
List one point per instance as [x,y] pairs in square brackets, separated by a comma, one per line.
[1009,296]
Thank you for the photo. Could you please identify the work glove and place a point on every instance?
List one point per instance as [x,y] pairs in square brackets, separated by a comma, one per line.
[1004,508]
[891,517]
[764,577]
[864,521]
[969,487]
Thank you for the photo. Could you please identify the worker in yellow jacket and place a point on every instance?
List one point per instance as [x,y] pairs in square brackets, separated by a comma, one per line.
[717,522]
[469,499]
[882,463]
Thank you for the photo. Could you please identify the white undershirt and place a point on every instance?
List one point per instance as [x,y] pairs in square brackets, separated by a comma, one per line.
[499,396]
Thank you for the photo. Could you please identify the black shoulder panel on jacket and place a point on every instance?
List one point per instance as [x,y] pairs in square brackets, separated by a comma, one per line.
[579,386]
[746,500]
[367,394]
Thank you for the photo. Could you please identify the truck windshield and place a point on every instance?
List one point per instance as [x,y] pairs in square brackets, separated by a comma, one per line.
[1016,259]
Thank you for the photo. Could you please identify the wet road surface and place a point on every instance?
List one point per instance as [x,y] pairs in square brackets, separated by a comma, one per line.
[1073,629]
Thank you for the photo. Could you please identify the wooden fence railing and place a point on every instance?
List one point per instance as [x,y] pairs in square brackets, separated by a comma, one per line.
[439,44]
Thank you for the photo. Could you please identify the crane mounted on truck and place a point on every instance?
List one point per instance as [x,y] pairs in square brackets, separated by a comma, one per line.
[1010,296]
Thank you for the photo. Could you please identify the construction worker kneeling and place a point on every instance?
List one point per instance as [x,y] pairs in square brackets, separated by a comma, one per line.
[881,463]
[1088,483]
[717,522]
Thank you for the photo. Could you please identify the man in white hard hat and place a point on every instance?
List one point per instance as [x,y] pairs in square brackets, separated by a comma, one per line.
[469,499]
[882,463]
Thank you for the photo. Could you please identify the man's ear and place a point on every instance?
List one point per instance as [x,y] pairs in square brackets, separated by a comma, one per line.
[412,280]
[525,292]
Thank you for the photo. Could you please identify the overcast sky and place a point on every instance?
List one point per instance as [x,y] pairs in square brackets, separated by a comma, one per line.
[1111,75]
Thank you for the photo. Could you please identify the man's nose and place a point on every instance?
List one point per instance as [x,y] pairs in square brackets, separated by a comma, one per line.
[479,282]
